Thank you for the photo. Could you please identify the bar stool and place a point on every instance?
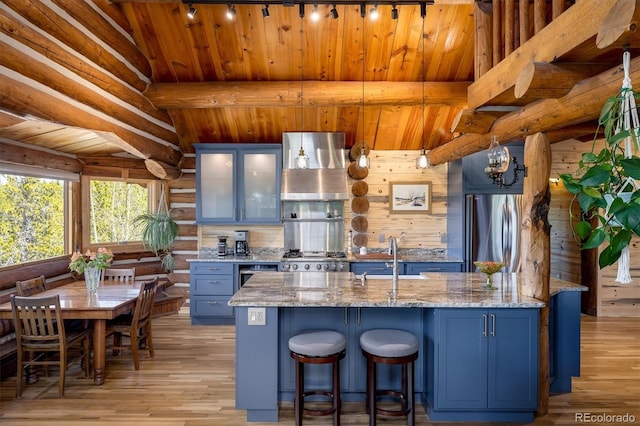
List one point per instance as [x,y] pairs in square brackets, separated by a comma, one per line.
[317,347]
[387,346]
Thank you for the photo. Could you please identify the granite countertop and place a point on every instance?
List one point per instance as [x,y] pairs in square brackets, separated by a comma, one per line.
[344,289]
[275,255]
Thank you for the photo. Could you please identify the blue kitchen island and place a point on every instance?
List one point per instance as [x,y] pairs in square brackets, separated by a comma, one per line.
[478,348]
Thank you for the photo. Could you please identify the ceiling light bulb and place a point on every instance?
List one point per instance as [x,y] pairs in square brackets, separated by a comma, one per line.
[231,12]
[363,160]
[373,13]
[422,162]
[314,14]
[191,13]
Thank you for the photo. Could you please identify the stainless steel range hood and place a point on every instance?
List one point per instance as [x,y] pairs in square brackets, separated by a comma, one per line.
[326,177]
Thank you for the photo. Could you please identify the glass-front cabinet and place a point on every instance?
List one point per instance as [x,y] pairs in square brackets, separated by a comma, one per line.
[238,183]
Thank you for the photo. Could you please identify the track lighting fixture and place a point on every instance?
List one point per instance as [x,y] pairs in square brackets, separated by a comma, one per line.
[191,13]
[363,10]
[265,11]
[334,12]
[314,14]
[301,10]
[231,12]
[373,13]
[394,12]
[423,9]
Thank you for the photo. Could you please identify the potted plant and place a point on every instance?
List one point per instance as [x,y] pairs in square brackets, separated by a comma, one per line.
[605,186]
[159,231]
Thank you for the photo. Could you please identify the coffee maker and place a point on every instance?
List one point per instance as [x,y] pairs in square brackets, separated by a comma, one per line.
[242,243]
[222,245]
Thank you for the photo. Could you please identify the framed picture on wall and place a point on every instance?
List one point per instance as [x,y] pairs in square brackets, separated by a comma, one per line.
[410,197]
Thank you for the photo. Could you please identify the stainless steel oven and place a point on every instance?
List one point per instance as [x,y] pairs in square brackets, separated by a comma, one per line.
[299,261]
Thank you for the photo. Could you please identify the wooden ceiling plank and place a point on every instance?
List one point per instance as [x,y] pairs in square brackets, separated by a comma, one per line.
[582,104]
[317,93]
[577,25]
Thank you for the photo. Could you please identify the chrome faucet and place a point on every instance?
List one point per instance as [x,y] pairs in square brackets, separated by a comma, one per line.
[393,249]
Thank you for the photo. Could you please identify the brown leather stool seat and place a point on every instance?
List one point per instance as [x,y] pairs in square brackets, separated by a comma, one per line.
[387,346]
[317,347]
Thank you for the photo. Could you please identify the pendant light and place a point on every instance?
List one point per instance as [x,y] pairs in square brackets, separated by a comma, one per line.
[363,160]
[302,160]
[422,162]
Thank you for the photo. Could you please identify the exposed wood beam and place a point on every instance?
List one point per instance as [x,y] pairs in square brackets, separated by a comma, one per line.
[162,171]
[221,94]
[540,80]
[472,121]
[30,98]
[582,104]
[583,20]
[620,26]
[15,154]
[110,49]
[536,247]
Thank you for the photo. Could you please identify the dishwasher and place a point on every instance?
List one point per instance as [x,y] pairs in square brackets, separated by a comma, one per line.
[246,270]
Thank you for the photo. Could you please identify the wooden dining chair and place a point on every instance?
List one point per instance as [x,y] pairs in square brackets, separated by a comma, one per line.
[30,287]
[137,326]
[121,275]
[43,341]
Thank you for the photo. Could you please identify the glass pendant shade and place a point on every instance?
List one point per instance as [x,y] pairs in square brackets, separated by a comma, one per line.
[498,155]
[302,161]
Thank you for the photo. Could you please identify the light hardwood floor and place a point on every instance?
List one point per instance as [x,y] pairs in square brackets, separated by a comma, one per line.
[191,382]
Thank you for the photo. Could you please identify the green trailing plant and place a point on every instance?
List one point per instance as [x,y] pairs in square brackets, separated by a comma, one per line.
[605,185]
[159,231]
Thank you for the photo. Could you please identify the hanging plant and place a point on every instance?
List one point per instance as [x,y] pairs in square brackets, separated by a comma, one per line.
[605,186]
[159,231]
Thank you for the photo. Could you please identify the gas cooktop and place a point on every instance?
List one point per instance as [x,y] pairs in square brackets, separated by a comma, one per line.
[299,254]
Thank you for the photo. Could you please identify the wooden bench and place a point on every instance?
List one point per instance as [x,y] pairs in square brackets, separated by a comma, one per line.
[167,301]
[8,349]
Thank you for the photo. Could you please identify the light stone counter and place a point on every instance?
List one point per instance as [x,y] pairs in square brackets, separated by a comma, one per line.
[338,289]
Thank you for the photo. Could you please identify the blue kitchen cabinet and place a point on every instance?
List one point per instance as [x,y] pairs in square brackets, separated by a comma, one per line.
[414,268]
[212,285]
[484,366]
[238,183]
[373,268]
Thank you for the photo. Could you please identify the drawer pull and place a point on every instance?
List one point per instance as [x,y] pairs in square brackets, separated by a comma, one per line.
[213,269]
[213,282]
[212,303]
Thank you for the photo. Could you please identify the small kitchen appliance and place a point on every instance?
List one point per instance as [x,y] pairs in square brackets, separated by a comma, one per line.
[242,242]
[222,245]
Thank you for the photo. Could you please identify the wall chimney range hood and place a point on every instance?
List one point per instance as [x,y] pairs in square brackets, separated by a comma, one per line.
[326,177]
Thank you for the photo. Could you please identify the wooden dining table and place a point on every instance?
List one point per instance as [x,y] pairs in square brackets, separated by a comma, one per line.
[110,301]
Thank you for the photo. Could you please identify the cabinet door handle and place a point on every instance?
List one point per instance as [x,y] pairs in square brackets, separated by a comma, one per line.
[212,303]
[493,325]
[358,317]
[484,332]
[346,316]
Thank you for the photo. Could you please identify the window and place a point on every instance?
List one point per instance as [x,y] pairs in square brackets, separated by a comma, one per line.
[112,206]
[32,218]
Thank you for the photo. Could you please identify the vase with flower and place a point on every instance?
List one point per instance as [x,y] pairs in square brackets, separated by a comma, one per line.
[91,264]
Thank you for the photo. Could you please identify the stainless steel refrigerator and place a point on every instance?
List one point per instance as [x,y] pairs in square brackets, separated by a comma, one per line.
[493,229]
